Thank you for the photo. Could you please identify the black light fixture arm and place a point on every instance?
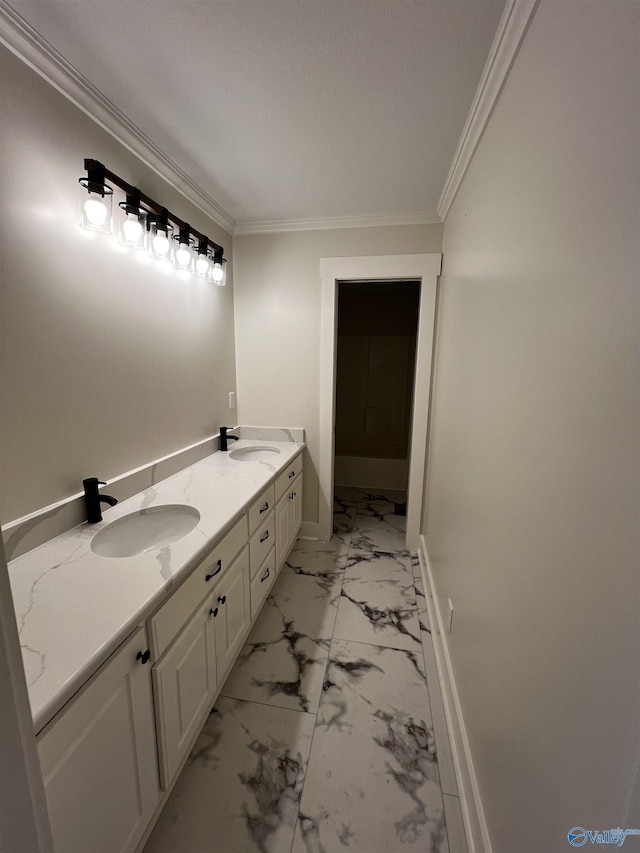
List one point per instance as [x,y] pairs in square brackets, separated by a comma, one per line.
[95,168]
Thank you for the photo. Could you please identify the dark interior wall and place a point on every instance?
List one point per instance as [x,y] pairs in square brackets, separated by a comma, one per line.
[377,327]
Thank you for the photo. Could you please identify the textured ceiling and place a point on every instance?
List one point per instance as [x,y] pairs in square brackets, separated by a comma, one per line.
[288,109]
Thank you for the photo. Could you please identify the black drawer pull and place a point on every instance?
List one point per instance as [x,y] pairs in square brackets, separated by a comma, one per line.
[292,496]
[264,508]
[217,571]
[265,576]
[292,474]
[265,537]
[222,599]
[213,612]
[143,657]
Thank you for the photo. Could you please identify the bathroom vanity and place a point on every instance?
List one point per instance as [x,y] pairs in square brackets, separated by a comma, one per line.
[125,656]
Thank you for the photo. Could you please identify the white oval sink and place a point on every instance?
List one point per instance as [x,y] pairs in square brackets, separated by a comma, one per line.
[147,528]
[253,454]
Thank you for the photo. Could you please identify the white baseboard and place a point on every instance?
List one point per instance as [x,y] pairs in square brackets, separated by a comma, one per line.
[475,824]
[309,530]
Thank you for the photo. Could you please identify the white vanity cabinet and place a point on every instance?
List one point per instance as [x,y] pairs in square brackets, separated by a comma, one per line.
[112,754]
[288,509]
[185,682]
[171,618]
[231,598]
[192,653]
[98,757]
[262,581]
[262,548]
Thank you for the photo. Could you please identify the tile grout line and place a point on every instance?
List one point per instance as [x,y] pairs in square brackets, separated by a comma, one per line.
[315,724]
[223,695]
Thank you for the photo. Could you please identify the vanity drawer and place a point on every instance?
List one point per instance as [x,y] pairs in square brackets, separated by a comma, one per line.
[261,543]
[169,620]
[260,508]
[263,582]
[288,475]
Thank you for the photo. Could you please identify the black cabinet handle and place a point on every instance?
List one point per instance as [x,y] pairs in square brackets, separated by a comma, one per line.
[292,474]
[265,576]
[265,537]
[217,571]
[291,496]
[222,599]
[213,612]
[264,508]
[143,657]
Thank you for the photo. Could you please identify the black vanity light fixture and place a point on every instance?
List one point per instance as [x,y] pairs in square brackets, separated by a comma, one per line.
[160,232]
[183,250]
[95,209]
[133,222]
[218,269]
[144,224]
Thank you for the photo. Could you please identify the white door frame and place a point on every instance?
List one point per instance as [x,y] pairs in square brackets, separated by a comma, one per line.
[426,268]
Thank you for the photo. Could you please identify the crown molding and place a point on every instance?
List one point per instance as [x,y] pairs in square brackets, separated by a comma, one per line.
[26,43]
[511,31]
[272,226]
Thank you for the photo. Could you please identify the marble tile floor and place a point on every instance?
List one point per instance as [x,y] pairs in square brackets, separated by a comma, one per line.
[329,733]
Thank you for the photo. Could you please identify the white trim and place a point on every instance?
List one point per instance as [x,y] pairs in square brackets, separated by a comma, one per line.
[511,31]
[23,809]
[475,823]
[273,226]
[398,267]
[23,40]
[309,530]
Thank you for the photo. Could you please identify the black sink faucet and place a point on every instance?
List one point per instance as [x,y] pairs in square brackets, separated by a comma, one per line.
[224,438]
[92,498]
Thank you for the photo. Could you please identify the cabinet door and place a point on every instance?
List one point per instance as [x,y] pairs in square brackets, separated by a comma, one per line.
[296,508]
[232,621]
[98,758]
[262,583]
[185,681]
[282,529]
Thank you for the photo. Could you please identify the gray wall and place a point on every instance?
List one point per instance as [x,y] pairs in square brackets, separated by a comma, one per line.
[106,363]
[534,480]
[277,298]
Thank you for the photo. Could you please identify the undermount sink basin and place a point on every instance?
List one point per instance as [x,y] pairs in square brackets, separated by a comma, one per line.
[253,454]
[147,528]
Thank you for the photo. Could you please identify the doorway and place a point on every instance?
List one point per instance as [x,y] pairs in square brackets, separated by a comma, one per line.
[391,268]
[375,368]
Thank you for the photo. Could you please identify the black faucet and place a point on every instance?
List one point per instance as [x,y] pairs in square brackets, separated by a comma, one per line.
[92,498]
[224,438]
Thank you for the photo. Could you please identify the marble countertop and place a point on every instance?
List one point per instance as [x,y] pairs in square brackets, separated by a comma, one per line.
[74,607]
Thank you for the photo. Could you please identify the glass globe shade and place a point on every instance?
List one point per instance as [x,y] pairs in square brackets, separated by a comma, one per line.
[96,211]
[132,229]
[202,265]
[161,244]
[183,256]
[217,273]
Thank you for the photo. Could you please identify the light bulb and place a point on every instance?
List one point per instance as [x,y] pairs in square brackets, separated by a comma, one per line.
[202,265]
[132,230]
[96,211]
[161,244]
[183,256]
[217,273]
